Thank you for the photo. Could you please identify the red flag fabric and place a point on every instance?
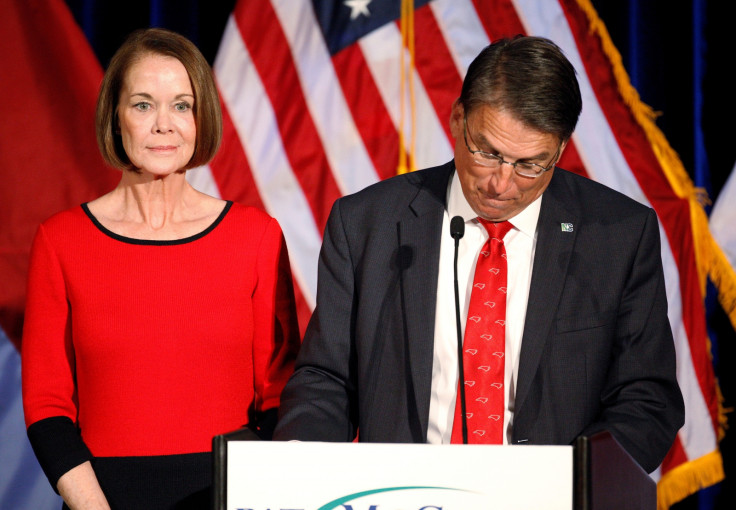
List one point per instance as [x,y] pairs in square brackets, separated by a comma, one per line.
[49,160]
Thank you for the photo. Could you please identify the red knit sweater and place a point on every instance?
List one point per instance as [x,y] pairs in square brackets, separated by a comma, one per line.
[153,347]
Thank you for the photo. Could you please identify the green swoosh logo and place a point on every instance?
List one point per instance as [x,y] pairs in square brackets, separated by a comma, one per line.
[334,504]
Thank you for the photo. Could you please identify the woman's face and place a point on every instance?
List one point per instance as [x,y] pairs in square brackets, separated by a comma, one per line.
[155,115]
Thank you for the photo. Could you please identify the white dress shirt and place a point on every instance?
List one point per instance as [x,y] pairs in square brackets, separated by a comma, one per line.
[520,243]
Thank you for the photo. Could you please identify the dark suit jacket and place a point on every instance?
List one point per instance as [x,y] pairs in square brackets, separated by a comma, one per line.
[597,350]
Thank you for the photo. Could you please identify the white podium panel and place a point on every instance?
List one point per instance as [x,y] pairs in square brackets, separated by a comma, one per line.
[360,476]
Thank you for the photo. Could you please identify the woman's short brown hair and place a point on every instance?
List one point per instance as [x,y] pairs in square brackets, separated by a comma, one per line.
[207,114]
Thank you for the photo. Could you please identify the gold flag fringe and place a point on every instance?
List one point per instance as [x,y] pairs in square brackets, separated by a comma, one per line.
[678,483]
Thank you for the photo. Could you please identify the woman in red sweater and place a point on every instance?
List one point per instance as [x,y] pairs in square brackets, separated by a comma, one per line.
[157,316]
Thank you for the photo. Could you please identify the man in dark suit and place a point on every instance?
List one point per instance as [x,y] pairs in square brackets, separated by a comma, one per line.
[588,345]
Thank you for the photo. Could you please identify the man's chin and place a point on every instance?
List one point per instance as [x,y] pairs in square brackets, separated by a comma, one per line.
[499,211]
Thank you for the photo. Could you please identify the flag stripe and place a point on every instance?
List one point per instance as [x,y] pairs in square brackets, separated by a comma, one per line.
[380,49]
[238,185]
[499,18]
[461,30]
[435,66]
[270,52]
[258,133]
[351,166]
[571,161]
[723,218]
[677,454]
[371,117]
[218,179]
[201,178]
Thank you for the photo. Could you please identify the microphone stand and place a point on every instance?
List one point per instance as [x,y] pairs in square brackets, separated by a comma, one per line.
[457,231]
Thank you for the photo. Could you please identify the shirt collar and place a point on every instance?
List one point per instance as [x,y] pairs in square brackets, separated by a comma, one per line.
[457,205]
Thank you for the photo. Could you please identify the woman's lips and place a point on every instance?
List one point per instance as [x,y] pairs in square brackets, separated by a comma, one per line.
[163,148]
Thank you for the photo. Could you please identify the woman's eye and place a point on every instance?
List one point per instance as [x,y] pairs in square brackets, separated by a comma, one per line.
[182,107]
[143,107]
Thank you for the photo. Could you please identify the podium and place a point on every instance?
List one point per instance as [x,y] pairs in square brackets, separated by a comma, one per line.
[594,474]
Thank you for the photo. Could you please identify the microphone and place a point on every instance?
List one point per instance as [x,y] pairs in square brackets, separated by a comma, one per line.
[457,228]
[457,231]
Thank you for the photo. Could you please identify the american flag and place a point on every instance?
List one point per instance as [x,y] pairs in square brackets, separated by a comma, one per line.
[322,98]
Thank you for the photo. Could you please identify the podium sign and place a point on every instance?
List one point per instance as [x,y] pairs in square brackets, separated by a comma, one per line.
[357,476]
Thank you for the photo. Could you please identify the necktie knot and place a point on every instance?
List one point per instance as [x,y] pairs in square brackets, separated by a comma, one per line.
[496,229]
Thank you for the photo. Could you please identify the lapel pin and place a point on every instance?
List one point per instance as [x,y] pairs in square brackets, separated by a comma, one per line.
[566,227]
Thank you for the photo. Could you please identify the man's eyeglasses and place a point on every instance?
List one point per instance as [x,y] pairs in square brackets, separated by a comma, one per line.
[492,161]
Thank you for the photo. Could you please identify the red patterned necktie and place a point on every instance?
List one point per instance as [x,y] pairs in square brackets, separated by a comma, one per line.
[484,346]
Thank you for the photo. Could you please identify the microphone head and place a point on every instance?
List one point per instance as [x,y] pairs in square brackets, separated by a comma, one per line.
[457,227]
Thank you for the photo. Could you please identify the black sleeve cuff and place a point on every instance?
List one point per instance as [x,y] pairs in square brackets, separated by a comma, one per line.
[58,446]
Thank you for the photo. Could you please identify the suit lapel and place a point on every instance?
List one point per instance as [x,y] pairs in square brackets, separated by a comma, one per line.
[556,230]
[419,240]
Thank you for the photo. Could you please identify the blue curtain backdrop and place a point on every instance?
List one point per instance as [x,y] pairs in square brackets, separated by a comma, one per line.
[676,52]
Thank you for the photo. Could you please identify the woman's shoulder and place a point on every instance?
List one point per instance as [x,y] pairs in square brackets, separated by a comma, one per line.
[74,217]
[65,230]
[250,227]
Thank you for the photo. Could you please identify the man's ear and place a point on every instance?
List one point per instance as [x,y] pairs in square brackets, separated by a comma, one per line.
[456,119]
